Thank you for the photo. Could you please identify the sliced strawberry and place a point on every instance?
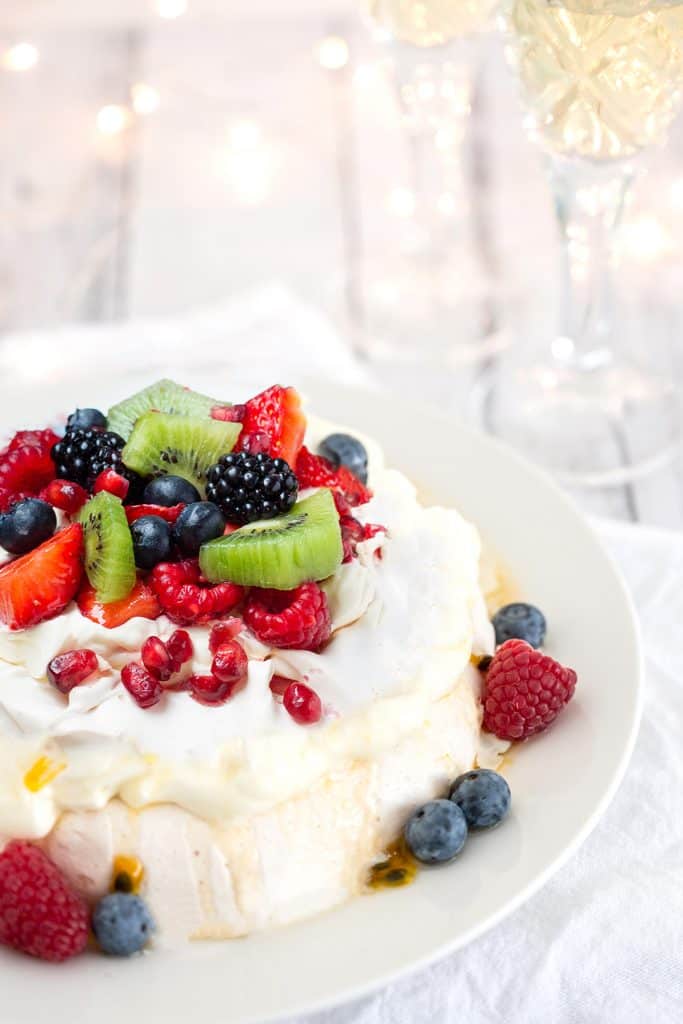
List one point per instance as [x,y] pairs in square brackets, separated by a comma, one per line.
[41,584]
[315,471]
[26,465]
[274,422]
[140,603]
[134,512]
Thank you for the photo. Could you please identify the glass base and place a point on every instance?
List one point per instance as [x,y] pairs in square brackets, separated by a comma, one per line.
[605,426]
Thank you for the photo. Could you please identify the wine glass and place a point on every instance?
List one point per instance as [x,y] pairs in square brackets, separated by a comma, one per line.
[425,297]
[601,81]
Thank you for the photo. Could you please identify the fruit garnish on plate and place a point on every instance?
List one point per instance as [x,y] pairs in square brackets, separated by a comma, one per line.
[273,422]
[141,602]
[162,396]
[109,555]
[315,471]
[41,584]
[26,465]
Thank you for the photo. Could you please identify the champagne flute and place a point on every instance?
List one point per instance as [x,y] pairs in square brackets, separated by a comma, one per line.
[601,82]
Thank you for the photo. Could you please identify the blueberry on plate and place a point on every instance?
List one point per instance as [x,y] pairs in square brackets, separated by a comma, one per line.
[344,450]
[519,621]
[152,541]
[87,419]
[197,524]
[436,833]
[483,796]
[122,924]
[170,490]
[27,524]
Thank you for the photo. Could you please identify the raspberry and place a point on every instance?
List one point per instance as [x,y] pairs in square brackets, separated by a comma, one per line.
[26,466]
[157,659]
[179,645]
[143,687]
[231,665]
[71,668]
[39,913]
[315,471]
[224,632]
[65,495]
[298,619]
[111,481]
[186,599]
[303,704]
[524,691]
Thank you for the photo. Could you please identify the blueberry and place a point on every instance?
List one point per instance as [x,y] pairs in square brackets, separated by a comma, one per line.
[170,490]
[122,924]
[87,419]
[344,450]
[27,524]
[436,832]
[519,622]
[483,796]
[197,524]
[151,541]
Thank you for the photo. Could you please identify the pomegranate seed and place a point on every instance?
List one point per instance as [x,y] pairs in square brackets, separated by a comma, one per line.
[278,685]
[65,495]
[71,668]
[303,704]
[209,690]
[231,414]
[352,534]
[180,648]
[143,687]
[231,665]
[156,659]
[223,632]
[111,481]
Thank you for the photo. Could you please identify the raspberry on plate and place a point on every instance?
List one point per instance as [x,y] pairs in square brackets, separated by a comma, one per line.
[295,619]
[26,465]
[315,471]
[273,422]
[41,584]
[524,691]
[39,913]
[186,599]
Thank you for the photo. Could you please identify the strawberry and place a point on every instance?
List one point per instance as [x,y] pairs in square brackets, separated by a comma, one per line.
[140,603]
[273,422]
[26,465]
[41,584]
[315,471]
[170,514]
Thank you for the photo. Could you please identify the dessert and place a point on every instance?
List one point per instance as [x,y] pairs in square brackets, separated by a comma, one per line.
[236,668]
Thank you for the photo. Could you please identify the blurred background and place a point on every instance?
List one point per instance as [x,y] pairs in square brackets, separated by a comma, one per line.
[299,171]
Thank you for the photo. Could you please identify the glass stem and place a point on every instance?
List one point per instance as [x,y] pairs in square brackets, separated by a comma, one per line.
[589,201]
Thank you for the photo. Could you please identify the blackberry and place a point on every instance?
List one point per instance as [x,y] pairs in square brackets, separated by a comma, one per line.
[83,453]
[248,487]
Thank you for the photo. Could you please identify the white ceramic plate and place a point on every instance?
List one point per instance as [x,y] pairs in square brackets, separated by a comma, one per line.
[561,781]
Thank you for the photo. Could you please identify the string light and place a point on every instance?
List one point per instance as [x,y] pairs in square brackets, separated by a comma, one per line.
[21,57]
[171,8]
[401,202]
[332,53]
[646,239]
[677,194]
[145,98]
[245,134]
[250,164]
[112,119]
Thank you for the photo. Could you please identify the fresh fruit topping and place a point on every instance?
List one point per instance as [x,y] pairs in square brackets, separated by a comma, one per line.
[298,619]
[39,913]
[352,534]
[41,584]
[157,658]
[169,491]
[152,542]
[141,685]
[29,523]
[274,423]
[197,524]
[524,691]
[436,832]
[230,665]
[483,796]
[344,450]
[186,599]
[223,632]
[141,603]
[180,647]
[303,545]
[302,703]
[207,690]
[519,621]
[109,555]
[71,669]
[122,924]
[65,495]
[278,686]
[314,471]
[26,465]
[229,414]
[169,515]
[249,487]
[87,419]
[112,482]
[162,396]
[82,455]
[127,873]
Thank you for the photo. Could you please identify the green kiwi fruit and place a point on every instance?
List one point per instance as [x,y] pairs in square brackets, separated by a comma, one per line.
[186,446]
[303,545]
[164,396]
[109,558]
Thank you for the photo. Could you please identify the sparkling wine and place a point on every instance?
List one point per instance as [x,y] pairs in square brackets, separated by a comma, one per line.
[429,22]
[600,78]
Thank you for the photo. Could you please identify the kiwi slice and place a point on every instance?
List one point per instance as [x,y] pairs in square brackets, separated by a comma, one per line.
[109,558]
[164,396]
[305,544]
[183,445]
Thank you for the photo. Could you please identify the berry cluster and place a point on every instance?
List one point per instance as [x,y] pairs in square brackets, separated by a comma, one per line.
[86,452]
[249,487]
